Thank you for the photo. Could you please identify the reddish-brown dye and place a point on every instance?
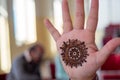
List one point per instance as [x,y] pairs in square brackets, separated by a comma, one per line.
[74,53]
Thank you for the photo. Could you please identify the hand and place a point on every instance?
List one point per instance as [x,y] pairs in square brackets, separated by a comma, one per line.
[77,31]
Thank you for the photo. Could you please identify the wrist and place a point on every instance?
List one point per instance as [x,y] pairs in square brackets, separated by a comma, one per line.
[95,77]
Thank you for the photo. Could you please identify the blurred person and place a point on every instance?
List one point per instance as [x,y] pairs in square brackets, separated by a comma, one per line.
[26,66]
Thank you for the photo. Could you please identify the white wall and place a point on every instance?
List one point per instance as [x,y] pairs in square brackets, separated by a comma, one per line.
[109,12]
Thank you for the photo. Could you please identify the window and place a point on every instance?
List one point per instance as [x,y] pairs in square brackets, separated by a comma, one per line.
[24,21]
[5,60]
[58,15]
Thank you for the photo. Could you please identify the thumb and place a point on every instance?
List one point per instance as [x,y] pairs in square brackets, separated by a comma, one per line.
[104,53]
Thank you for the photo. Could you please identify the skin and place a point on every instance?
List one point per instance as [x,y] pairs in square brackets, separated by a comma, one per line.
[37,54]
[96,57]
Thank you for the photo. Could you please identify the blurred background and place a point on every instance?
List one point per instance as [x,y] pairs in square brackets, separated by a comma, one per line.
[21,24]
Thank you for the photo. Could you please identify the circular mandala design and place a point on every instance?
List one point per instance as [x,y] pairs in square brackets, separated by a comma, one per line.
[74,53]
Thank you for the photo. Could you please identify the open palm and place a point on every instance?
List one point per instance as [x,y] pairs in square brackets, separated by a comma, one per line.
[77,31]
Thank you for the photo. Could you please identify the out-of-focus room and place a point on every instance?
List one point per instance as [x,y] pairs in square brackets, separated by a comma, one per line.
[22,24]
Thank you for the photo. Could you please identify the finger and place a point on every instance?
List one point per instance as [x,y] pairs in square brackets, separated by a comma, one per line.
[93,16]
[67,23]
[79,15]
[107,50]
[51,29]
